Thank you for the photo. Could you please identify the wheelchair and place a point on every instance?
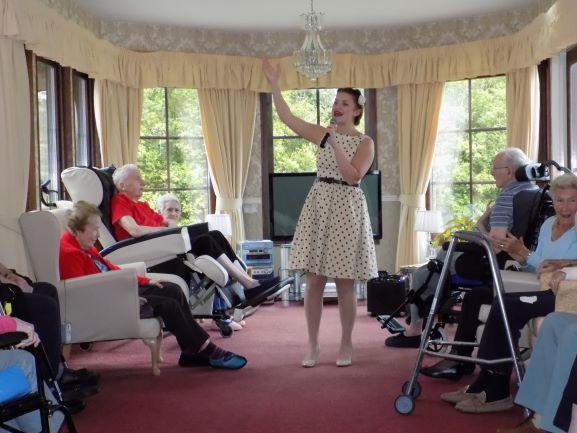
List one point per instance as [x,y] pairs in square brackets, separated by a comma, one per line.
[167,251]
[530,210]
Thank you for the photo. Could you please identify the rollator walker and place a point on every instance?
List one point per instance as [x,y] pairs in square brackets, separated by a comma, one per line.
[411,389]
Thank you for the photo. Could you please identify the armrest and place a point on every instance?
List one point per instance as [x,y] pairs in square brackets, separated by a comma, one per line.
[101,307]
[10,339]
[139,267]
[566,299]
[164,245]
[171,278]
[514,281]
[209,267]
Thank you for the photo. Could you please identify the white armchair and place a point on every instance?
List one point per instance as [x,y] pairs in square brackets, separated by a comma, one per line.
[94,307]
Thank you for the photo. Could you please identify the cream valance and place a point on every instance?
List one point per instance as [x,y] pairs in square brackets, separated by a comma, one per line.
[50,35]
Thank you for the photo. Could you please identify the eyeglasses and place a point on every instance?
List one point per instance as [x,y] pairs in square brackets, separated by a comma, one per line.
[493,168]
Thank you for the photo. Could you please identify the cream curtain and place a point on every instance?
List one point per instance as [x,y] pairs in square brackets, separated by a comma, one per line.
[228,126]
[50,35]
[118,111]
[523,110]
[15,144]
[419,106]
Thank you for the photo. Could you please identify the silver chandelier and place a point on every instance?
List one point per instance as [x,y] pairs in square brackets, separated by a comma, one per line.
[312,59]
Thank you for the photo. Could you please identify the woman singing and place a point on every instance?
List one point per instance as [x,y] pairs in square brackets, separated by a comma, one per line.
[333,237]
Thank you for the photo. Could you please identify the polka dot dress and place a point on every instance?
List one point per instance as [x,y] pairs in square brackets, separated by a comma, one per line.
[333,236]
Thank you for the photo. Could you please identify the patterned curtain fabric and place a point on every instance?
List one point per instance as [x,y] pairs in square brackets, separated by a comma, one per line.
[228,126]
[50,35]
[15,160]
[419,106]
[118,112]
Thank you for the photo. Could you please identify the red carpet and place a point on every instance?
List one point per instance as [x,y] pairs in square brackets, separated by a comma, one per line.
[272,394]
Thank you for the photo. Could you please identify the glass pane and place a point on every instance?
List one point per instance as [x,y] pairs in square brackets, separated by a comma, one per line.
[488,102]
[451,199]
[151,197]
[47,126]
[485,146]
[483,195]
[152,162]
[303,104]
[194,205]
[184,113]
[451,160]
[293,155]
[81,119]
[326,100]
[153,122]
[188,166]
[454,114]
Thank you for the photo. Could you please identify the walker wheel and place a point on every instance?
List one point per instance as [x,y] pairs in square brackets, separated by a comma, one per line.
[404,404]
[415,391]
[438,333]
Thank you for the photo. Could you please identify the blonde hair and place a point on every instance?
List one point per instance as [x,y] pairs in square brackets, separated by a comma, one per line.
[78,216]
[565,181]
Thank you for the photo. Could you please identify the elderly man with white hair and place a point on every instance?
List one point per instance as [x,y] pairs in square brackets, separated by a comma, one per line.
[134,218]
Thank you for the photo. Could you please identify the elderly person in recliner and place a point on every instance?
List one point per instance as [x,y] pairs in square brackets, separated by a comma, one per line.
[133,218]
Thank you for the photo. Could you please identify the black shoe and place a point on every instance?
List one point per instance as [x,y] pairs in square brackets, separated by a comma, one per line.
[192,360]
[454,372]
[78,392]
[75,406]
[73,378]
[401,340]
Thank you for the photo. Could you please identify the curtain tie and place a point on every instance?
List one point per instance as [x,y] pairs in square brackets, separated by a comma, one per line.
[228,204]
[412,200]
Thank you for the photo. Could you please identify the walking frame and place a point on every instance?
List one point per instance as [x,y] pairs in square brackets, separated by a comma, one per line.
[405,402]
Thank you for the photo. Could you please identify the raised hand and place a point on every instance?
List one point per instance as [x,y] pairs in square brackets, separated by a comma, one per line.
[270,72]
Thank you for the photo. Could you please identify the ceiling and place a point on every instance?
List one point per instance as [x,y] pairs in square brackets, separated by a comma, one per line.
[264,15]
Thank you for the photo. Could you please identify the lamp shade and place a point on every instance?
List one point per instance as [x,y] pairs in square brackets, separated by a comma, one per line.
[220,222]
[430,221]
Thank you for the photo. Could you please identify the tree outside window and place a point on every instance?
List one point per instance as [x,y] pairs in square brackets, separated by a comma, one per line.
[472,129]
[171,155]
[293,154]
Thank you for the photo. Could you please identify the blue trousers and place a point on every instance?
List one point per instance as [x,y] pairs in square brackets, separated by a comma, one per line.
[549,369]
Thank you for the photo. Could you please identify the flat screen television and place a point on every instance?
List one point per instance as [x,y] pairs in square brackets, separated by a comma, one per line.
[288,192]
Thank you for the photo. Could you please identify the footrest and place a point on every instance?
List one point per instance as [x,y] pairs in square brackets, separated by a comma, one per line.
[269,290]
[393,326]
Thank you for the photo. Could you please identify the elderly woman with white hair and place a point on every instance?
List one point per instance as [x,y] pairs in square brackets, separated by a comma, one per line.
[133,218]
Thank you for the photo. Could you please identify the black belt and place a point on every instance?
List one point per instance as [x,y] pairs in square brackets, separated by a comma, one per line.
[333,180]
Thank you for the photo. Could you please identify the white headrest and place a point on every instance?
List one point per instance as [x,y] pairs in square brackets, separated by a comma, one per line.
[82,184]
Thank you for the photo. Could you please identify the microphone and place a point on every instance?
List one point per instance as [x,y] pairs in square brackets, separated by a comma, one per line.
[327,135]
[536,171]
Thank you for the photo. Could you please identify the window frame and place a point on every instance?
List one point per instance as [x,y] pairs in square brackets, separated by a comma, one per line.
[469,131]
[571,61]
[267,151]
[211,195]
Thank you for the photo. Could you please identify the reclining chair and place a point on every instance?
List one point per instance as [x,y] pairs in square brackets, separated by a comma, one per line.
[95,307]
[156,250]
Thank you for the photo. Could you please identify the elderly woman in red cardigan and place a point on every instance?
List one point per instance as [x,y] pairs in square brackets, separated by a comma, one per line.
[79,257]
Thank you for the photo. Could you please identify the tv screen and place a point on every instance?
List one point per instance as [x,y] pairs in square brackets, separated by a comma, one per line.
[288,192]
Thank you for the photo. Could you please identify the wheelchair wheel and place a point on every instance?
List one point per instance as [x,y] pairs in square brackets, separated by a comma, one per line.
[438,333]
[86,347]
[404,404]
[224,328]
[415,391]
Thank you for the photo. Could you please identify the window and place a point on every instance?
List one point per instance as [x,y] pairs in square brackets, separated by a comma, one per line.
[171,154]
[291,153]
[472,129]
[81,119]
[48,137]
